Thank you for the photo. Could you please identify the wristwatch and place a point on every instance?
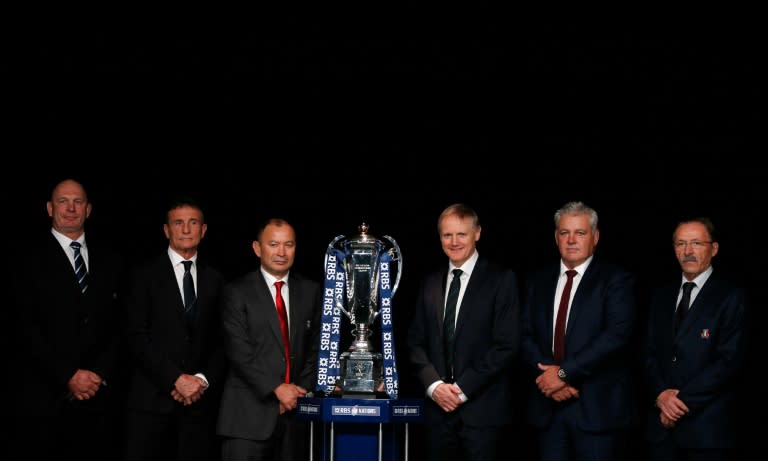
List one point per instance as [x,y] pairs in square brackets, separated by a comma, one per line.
[562,374]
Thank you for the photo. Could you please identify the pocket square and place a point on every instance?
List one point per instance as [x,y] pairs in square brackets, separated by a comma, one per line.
[705,333]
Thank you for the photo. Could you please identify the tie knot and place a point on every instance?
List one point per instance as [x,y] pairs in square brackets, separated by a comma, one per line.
[571,273]
[457,272]
[187,265]
[688,287]
[279,285]
[75,246]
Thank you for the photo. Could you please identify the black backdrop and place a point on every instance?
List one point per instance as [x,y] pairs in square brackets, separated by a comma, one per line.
[643,125]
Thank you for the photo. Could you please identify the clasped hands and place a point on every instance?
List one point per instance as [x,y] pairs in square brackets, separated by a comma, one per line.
[188,389]
[671,408]
[552,386]
[447,396]
[84,384]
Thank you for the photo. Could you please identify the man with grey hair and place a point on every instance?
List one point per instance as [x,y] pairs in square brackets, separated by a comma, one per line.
[577,327]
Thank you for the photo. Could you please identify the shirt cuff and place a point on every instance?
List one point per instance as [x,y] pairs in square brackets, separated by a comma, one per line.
[202,376]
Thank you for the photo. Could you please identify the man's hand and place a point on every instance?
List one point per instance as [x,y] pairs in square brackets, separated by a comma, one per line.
[548,381]
[188,389]
[288,395]
[447,397]
[84,384]
[671,407]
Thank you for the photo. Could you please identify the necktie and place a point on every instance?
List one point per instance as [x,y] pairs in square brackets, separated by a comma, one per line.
[189,290]
[80,270]
[562,315]
[685,302]
[449,322]
[282,314]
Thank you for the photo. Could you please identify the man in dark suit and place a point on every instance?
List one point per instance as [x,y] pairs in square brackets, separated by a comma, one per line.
[694,353]
[269,371]
[577,329]
[463,342]
[176,346]
[66,291]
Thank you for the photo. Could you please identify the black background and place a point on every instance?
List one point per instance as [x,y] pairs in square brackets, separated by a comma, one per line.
[646,125]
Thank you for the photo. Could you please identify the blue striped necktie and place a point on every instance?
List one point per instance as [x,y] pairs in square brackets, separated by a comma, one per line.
[80,270]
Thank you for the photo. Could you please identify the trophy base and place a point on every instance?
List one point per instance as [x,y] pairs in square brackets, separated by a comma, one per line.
[361,375]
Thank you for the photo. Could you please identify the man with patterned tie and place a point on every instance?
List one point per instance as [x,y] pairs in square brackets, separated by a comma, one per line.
[577,322]
[176,345]
[271,322]
[66,290]
[695,350]
[463,341]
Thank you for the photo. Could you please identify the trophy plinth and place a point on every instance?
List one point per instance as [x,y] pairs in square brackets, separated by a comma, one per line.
[361,368]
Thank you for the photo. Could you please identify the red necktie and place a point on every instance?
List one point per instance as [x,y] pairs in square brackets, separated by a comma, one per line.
[562,314]
[283,316]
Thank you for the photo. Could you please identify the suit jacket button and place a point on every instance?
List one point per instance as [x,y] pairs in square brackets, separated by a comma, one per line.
[674,358]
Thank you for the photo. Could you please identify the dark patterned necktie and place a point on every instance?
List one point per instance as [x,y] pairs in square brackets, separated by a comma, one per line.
[189,290]
[685,304]
[562,315]
[80,270]
[449,322]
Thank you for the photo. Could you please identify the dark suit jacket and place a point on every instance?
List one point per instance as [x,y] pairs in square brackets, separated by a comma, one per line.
[254,345]
[702,361]
[61,329]
[486,342]
[163,344]
[597,345]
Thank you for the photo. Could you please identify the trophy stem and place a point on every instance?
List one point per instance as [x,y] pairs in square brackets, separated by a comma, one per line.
[361,342]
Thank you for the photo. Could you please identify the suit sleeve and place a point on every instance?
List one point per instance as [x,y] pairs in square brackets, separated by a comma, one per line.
[144,351]
[308,374]
[418,341]
[243,347]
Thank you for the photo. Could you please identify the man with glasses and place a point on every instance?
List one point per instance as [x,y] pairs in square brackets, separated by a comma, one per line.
[695,347]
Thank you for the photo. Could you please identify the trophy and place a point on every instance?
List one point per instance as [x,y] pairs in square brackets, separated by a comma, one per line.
[359,273]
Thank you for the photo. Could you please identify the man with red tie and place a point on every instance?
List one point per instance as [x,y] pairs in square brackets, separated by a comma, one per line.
[271,322]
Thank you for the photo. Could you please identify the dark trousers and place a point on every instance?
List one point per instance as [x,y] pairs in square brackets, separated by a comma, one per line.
[667,450]
[183,434]
[563,440]
[288,442]
[452,440]
[68,429]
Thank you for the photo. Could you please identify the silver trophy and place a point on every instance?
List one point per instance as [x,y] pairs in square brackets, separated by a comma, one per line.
[361,373]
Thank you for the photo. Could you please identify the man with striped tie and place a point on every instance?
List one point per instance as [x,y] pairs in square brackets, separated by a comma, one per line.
[66,295]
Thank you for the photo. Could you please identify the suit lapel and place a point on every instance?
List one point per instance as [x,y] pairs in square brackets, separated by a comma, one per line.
[266,304]
[699,305]
[586,285]
[296,303]
[471,292]
[549,322]
[438,294]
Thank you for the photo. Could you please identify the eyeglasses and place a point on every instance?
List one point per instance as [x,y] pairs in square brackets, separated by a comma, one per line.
[695,244]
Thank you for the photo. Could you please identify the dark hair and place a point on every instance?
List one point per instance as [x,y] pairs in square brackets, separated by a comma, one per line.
[274,221]
[706,222]
[181,202]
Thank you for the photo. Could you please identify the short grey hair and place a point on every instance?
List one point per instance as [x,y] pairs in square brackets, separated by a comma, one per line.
[577,208]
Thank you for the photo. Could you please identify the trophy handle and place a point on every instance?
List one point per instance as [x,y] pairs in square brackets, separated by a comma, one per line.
[396,255]
[331,246]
